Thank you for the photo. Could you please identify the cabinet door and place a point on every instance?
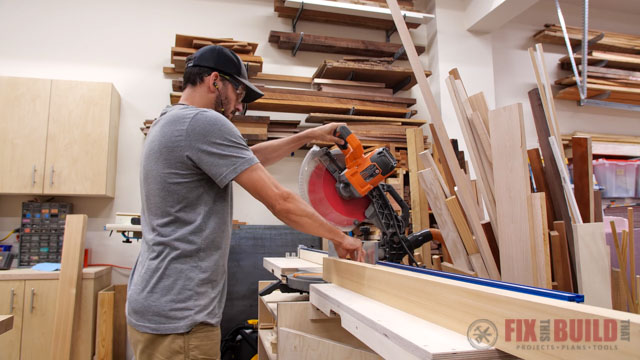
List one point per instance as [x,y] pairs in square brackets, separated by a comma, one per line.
[78,154]
[11,303]
[24,105]
[38,317]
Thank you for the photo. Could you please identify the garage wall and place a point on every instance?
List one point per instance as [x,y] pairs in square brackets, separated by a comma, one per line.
[127,43]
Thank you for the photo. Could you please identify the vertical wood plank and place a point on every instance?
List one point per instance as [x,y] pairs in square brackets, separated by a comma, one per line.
[419,204]
[583,176]
[535,160]
[104,324]
[592,263]
[512,201]
[464,188]
[461,224]
[632,259]
[552,177]
[541,241]
[69,286]
[479,103]
[439,159]
[562,271]
[454,244]
[491,240]
[120,322]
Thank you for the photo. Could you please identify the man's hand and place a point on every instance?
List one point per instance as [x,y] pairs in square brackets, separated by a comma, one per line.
[350,246]
[325,133]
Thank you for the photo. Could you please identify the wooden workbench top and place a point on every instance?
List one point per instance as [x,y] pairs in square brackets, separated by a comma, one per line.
[29,274]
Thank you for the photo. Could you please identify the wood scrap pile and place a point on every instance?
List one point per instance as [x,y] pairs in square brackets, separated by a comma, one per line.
[186,45]
[613,68]
[341,19]
[336,45]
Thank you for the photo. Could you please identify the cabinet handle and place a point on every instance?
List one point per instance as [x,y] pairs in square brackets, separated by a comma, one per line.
[33,175]
[11,307]
[52,171]
[33,293]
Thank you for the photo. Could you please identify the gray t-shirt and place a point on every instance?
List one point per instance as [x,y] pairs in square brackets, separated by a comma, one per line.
[190,157]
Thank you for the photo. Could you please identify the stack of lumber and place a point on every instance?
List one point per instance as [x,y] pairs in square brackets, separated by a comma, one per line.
[607,144]
[252,128]
[336,45]
[613,65]
[394,77]
[340,19]
[186,45]
[578,249]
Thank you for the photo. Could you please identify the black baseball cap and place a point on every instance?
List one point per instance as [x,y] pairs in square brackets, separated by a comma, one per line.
[225,61]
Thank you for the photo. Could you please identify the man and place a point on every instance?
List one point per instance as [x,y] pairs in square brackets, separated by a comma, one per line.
[192,154]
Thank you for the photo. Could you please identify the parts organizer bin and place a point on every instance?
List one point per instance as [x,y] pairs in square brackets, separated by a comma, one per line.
[618,177]
[41,232]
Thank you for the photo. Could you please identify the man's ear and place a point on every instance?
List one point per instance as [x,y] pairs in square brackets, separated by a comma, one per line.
[213,81]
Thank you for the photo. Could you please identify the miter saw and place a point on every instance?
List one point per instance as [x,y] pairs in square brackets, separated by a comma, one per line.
[346,186]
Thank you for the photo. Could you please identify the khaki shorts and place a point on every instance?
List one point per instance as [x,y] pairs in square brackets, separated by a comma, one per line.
[202,342]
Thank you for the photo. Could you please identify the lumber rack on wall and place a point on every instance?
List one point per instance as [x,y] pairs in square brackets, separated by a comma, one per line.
[582,79]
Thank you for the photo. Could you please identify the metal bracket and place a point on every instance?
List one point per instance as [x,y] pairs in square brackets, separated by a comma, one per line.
[605,95]
[398,53]
[399,86]
[294,22]
[391,31]
[295,49]
[602,63]
[352,110]
[609,104]
[408,114]
[350,76]
[245,107]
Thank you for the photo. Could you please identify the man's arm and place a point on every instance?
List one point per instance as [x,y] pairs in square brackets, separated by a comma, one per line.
[295,212]
[270,152]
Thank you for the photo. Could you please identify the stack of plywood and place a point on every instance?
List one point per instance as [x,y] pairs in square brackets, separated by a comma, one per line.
[613,64]
[186,45]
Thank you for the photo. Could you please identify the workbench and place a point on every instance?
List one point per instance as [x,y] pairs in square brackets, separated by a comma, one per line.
[332,322]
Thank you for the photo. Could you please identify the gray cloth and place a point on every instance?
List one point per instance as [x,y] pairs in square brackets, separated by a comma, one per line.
[190,157]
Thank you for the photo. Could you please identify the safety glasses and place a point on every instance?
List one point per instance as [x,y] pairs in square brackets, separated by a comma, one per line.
[240,89]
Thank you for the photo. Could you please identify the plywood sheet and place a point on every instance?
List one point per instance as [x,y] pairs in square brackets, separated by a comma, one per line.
[592,263]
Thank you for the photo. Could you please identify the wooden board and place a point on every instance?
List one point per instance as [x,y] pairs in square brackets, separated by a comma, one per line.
[419,204]
[306,107]
[412,292]
[461,224]
[611,41]
[281,78]
[188,41]
[336,45]
[280,266]
[571,93]
[111,323]
[563,274]
[319,81]
[381,99]
[535,160]
[361,90]
[552,177]
[566,182]
[513,204]
[443,165]
[304,317]
[592,264]
[6,323]
[542,255]
[465,195]
[69,286]
[333,18]
[392,76]
[431,186]
[429,163]
[295,345]
[323,117]
[392,333]
[628,62]
[583,176]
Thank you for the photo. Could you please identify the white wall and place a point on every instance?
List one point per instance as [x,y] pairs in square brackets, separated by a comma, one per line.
[127,43]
